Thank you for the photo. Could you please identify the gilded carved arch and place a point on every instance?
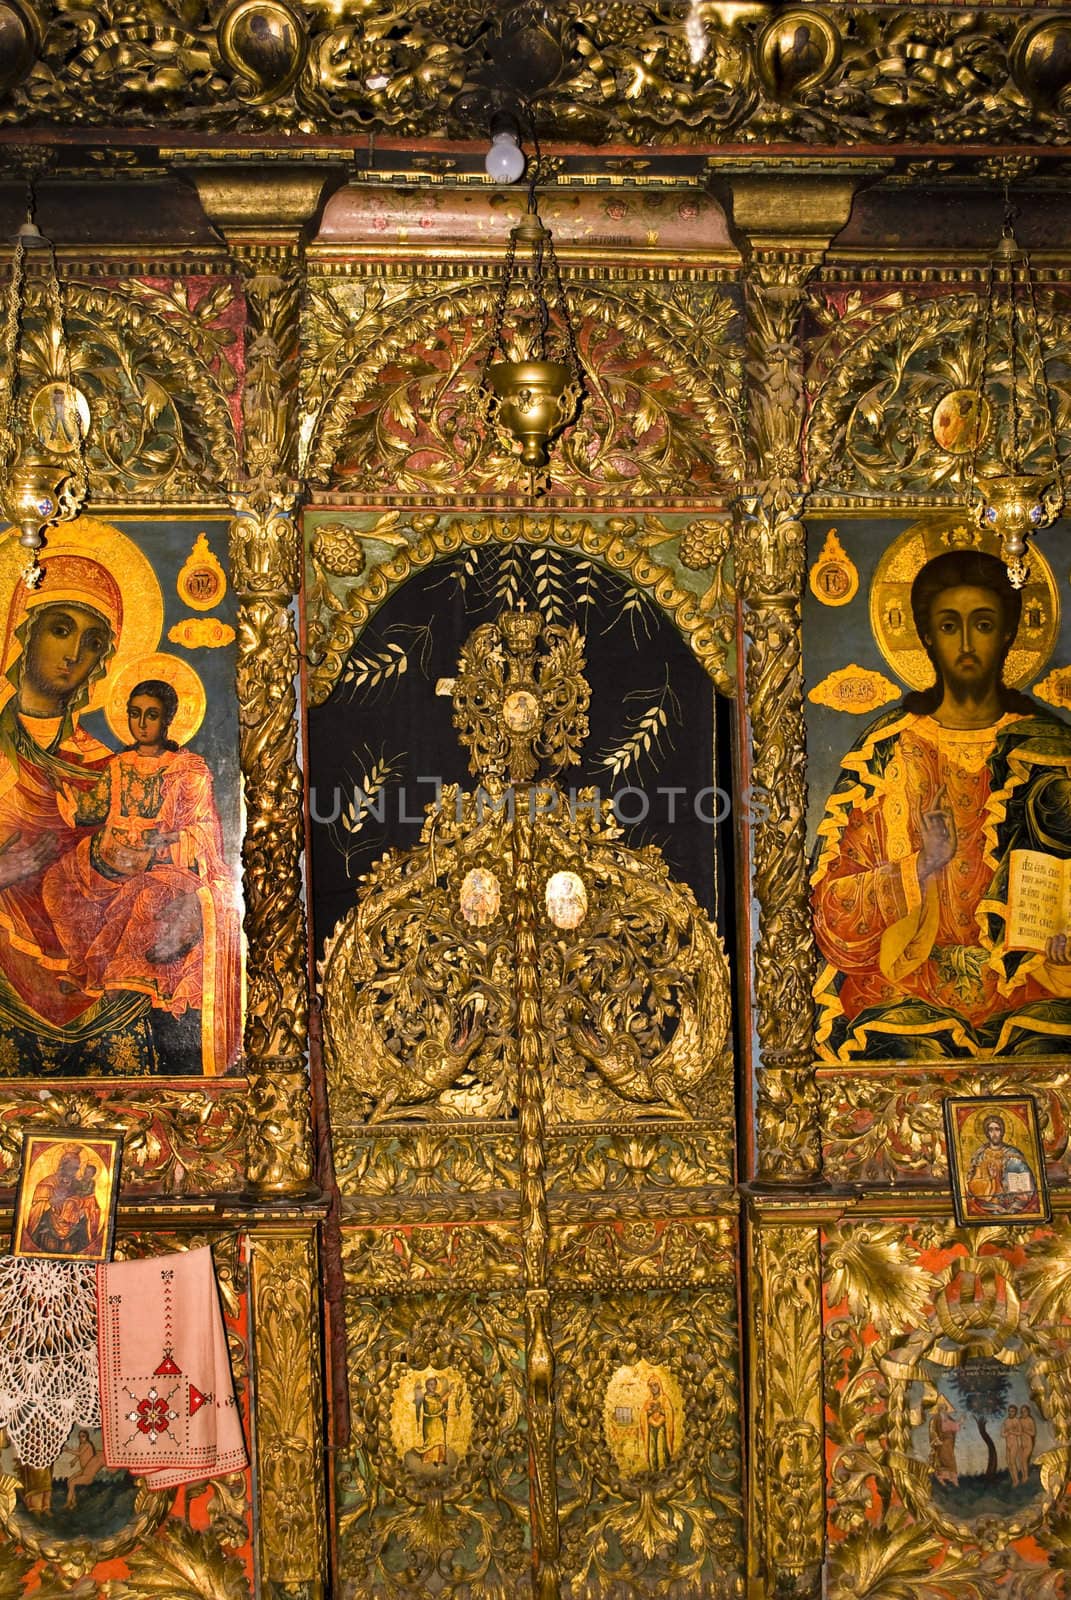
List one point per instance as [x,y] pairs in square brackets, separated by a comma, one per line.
[880,369]
[338,608]
[154,360]
[392,363]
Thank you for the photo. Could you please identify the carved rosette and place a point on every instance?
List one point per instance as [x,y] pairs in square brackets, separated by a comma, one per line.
[770,550]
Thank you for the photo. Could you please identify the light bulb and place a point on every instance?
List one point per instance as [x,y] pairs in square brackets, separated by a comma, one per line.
[505,159]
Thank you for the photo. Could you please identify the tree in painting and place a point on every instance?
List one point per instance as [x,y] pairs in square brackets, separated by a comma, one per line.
[982,1386]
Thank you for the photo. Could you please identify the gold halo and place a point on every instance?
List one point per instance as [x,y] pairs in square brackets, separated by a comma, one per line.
[143,603]
[890,600]
[182,678]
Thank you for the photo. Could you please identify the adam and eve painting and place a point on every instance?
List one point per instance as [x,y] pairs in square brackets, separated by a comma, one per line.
[939,892]
[119,925]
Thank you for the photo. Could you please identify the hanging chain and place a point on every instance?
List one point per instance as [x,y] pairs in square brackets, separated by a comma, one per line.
[74,489]
[500,310]
[1040,374]
[983,345]
[9,380]
[1013,372]
[541,267]
[567,321]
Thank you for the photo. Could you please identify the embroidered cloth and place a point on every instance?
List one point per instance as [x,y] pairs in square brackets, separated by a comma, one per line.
[48,1354]
[167,1401]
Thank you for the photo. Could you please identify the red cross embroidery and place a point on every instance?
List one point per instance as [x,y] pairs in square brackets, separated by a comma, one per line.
[152,1415]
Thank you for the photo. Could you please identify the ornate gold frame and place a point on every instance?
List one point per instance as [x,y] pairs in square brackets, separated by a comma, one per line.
[745,597]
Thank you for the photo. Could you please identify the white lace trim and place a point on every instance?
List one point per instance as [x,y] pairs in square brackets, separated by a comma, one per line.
[49,1380]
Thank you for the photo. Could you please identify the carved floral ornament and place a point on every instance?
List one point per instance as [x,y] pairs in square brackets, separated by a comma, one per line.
[392,367]
[889,376]
[152,363]
[811,74]
[976,1340]
[927,1349]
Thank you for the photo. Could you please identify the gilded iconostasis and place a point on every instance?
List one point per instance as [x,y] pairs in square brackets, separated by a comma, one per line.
[535,801]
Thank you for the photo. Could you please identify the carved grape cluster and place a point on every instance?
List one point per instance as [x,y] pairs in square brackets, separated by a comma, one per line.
[701,545]
[339,550]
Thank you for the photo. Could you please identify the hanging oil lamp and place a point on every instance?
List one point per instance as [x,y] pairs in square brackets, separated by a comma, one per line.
[532,397]
[1023,490]
[42,436]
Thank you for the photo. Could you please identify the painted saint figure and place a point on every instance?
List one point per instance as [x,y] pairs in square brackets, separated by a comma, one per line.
[999,1179]
[58,643]
[144,903]
[658,1429]
[944,1426]
[433,1412]
[910,885]
[64,1215]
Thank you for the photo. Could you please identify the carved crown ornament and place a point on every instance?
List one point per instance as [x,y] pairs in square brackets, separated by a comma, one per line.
[424,1007]
[703,73]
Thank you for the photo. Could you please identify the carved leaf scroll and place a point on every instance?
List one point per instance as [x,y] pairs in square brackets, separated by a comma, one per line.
[154,365]
[394,396]
[871,424]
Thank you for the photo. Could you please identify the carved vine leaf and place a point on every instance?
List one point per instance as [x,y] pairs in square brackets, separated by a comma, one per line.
[903,1560]
[176,1141]
[630,1533]
[423,1163]
[872,1130]
[876,1130]
[207,312]
[183,1564]
[228,1510]
[338,320]
[14,1567]
[1046,1280]
[871,1267]
[474,1538]
[841,316]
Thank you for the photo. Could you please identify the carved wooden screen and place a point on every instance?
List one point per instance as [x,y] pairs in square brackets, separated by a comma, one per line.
[528,1049]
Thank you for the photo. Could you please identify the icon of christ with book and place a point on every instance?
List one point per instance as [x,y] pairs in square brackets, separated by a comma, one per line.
[940,887]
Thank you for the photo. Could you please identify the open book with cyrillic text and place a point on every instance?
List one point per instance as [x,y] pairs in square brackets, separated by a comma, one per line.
[1039,900]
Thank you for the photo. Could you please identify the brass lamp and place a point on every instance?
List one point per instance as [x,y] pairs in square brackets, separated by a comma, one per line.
[531,399]
[1022,490]
[42,436]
